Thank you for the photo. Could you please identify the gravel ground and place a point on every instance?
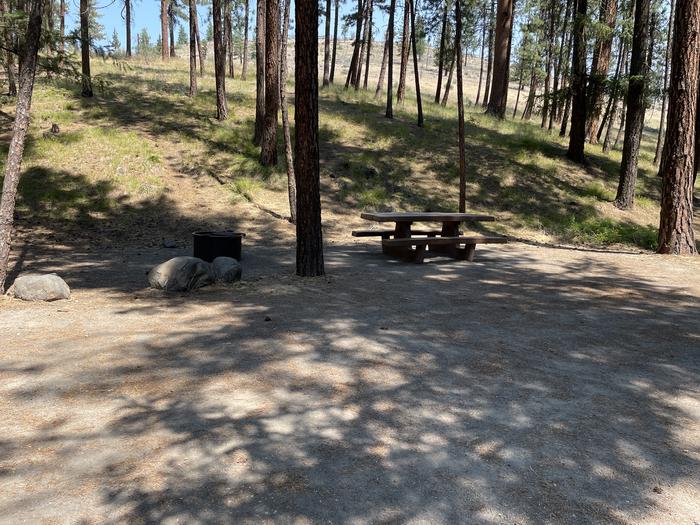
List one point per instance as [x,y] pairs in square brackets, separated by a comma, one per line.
[533,386]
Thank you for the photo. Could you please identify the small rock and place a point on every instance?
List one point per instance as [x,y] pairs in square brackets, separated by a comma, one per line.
[181,274]
[55,128]
[226,269]
[168,243]
[40,287]
[658,489]
[371,172]
[268,318]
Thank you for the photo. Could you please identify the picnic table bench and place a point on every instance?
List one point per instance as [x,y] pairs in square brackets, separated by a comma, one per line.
[405,243]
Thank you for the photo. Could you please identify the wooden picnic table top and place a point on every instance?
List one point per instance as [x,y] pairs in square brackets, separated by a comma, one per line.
[425,217]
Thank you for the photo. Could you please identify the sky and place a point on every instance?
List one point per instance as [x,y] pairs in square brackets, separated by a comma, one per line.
[146,13]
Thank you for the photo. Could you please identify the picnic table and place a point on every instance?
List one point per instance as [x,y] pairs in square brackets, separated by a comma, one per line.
[411,244]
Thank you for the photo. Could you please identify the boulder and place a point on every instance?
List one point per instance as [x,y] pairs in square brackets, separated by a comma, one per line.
[226,269]
[181,274]
[40,287]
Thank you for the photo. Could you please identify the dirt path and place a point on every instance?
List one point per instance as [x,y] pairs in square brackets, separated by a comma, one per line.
[535,385]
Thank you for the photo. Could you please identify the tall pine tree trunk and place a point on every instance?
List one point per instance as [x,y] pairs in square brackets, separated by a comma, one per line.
[446,93]
[416,73]
[577,138]
[363,47]
[219,62]
[368,37]
[327,47]
[127,21]
[613,95]
[200,50]
[193,48]
[405,44]
[306,164]
[171,28]
[244,66]
[441,55]
[520,88]
[560,67]
[259,71]
[291,181]
[84,48]
[335,38]
[636,107]
[382,68]
[228,28]
[268,150]
[676,234]
[164,29]
[13,163]
[498,97]
[483,46]
[548,64]
[489,61]
[460,110]
[664,95]
[352,70]
[599,68]
[390,76]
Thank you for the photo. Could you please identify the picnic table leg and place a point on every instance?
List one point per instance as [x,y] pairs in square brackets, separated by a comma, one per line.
[401,231]
[449,229]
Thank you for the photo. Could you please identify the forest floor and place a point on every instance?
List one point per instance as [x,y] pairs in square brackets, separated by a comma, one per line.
[551,381]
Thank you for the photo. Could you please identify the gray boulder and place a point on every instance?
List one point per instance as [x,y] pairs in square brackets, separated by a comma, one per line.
[181,274]
[226,269]
[40,287]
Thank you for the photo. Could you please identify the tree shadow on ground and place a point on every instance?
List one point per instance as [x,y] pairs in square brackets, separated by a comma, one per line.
[502,391]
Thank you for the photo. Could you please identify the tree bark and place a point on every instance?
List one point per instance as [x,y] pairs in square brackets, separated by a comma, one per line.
[268,150]
[559,68]
[664,97]
[599,68]
[327,48]
[368,37]
[200,51]
[352,70]
[548,64]
[164,29]
[520,88]
[291,181]
[446,93]
[171,28]
[84,49]
[405,45]
[531,95]
[8,54]
[219,62]
[363,46]
[259,71]
[419,102]
[441,55]
[498,98]
[460,109]
[193,47]
[335,38]
[483,46]
[244,66]
[390,76]
[382,69]
[612,99]
[676,234]
[577,138]
[306,166]
[636,107]
[489,61]
[228,29]
[13,164]
[127,16]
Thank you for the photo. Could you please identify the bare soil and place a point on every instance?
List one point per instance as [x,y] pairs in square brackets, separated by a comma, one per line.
[535,385]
